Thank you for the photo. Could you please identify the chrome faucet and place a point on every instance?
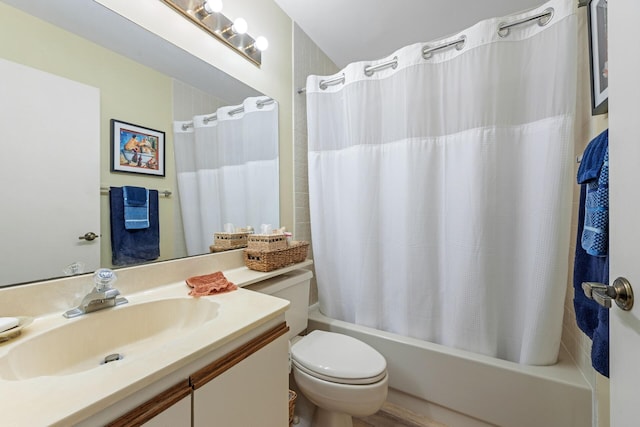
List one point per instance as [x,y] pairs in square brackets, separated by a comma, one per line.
[103,295]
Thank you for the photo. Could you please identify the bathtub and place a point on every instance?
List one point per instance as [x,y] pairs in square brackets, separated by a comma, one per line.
[463,389]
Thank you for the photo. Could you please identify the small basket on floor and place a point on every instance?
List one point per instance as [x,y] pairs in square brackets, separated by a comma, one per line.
[292,405]
[264,261]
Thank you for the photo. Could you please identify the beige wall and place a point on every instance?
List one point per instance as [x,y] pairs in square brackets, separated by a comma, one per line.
[128,91]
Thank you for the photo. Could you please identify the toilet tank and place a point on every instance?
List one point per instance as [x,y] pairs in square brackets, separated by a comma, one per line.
[294,287]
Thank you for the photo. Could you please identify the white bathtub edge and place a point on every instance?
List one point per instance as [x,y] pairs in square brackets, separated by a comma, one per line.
[499,392]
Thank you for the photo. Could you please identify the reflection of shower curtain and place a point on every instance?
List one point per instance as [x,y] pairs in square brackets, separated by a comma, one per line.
[227,171]
[440,190]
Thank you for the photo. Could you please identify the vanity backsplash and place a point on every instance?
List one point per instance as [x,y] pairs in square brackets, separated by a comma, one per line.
[40,298]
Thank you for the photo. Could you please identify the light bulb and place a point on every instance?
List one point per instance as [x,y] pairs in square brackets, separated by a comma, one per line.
[239,26]
[213,6]
[262,43]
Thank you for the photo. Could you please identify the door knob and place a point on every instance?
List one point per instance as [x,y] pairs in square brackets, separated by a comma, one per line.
[89,236]
[620,292]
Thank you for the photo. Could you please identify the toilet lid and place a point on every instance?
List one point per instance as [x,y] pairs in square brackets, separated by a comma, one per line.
[338,358]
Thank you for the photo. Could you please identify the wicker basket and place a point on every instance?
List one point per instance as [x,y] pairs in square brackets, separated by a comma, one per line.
[226,241]
[272,260]
[292,405]
[267,242]
[215,248]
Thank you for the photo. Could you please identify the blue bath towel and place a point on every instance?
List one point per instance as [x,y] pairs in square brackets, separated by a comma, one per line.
[593,157]
[594,173]
[137,245]
[592,319]
[136,207]
[600,344]
[586,268]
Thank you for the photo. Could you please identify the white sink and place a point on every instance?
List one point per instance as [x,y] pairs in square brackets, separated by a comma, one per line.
[82,343]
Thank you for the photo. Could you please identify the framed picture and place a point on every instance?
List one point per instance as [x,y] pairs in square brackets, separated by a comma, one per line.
[136,149]
[598,55]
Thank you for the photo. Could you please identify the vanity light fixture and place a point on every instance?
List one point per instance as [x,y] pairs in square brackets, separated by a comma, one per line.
[208,16]
[261,44]
[207,8]
[212,6]
[240,26]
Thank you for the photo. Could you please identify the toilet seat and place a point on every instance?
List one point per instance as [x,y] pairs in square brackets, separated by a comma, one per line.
[338,358]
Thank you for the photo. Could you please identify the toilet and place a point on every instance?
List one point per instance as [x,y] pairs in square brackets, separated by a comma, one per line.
[342,376]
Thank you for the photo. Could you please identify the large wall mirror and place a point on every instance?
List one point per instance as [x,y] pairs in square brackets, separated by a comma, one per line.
[138,78]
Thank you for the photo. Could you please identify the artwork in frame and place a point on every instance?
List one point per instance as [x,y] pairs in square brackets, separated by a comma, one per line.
[598,55]
[136,149]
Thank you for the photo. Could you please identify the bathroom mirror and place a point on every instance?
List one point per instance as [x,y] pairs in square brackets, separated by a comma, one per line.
[142,78]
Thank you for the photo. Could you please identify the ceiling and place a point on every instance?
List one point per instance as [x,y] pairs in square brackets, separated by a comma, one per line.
[357,30]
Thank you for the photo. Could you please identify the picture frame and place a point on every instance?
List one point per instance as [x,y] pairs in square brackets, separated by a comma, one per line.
[137,149]
[598,56]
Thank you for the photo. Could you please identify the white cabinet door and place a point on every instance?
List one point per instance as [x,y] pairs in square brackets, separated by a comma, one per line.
[170,408]
[178,415]
[254,392]
[624,170]
[50,174]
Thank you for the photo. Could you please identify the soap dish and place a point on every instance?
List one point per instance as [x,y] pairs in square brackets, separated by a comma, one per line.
[23,321]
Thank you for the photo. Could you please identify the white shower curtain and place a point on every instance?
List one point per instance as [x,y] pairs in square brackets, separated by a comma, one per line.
[227,170]
[441,190]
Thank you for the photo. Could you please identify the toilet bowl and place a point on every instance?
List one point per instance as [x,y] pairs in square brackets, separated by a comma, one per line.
[341,375]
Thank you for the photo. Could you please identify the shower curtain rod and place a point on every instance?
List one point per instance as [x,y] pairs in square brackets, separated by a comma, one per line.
[214,116]
[504,28]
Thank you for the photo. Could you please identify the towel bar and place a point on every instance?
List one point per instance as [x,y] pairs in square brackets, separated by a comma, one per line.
[161,193]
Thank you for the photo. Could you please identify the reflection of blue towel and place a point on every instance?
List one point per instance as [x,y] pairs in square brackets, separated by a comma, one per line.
[133,246]
[136,207]
[594,172]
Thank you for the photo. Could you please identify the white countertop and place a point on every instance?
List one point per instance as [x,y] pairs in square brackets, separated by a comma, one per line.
[67,399]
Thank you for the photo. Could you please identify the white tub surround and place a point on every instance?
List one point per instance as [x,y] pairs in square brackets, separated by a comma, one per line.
[100,394]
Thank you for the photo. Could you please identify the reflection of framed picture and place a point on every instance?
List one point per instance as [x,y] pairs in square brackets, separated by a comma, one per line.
[136,149]
[598,54]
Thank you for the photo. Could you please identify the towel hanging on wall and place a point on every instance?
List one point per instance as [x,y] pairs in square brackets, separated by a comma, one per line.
[136,207]
[591,262]
[133,246]
[594,174]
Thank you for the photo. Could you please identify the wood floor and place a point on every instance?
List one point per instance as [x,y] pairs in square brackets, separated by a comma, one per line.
[395,416]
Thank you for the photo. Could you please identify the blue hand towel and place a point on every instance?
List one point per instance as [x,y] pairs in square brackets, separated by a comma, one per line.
[136,207]
[594,172]
[593,157]
[133,246]
[586,268]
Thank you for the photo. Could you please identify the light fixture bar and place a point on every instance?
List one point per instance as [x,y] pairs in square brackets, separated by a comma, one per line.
[219,26]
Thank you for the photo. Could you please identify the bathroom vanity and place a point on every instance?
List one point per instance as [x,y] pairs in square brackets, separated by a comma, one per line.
[184,360]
